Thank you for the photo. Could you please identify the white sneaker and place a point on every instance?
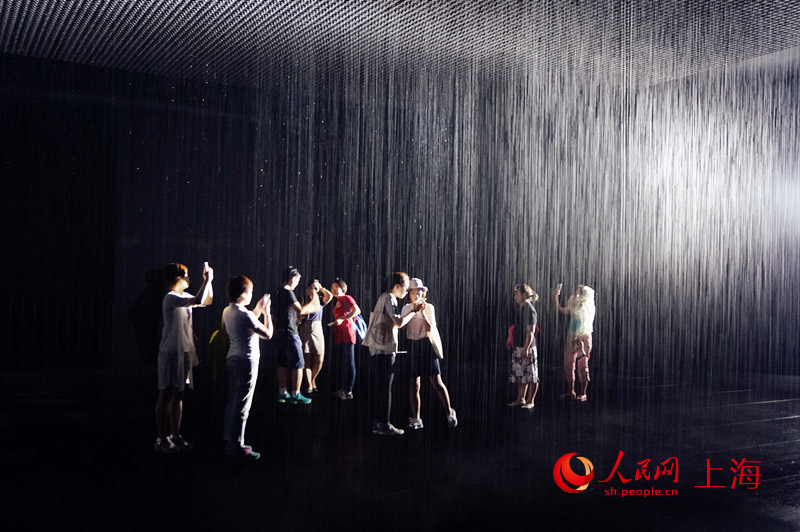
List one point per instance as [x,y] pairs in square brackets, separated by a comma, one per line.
[179,443]
[414,423]
[452,420]
[386,429]
[165,446]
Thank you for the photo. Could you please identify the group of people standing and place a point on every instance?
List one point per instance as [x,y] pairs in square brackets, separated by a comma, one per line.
[298,336]
[577,347]
[424,350]
[296,329]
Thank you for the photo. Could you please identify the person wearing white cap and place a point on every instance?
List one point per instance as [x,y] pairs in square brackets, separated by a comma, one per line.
[424,351]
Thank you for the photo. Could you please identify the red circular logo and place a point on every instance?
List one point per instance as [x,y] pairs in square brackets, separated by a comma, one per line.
[567,479]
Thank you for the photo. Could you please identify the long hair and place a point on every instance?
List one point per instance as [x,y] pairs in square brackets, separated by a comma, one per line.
[582,302]
[583,295]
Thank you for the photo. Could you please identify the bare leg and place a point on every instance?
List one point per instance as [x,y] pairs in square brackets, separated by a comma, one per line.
[414,403]
[522,389]
[531,394]
[295,379]
[281,377]
[307,373]
[441,391]
[316,367]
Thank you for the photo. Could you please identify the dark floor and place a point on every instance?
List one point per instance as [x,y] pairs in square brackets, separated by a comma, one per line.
[78,455]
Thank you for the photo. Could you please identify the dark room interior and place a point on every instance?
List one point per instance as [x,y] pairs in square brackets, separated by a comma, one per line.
[649,150]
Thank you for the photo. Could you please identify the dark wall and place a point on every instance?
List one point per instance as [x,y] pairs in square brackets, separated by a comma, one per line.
[58,157]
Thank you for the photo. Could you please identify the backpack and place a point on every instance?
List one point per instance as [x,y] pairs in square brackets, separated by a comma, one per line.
[218,346]
[358,323]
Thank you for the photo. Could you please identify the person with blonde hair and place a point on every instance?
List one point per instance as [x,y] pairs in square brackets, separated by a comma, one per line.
[578,345]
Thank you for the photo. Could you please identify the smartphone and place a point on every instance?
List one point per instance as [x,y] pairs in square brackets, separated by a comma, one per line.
[558,288]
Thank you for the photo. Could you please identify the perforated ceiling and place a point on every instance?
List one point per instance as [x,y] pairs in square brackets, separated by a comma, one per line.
[248,42]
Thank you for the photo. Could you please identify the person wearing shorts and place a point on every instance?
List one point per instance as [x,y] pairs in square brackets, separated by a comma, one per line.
[312,335]
[177,353]
[290,349]
[424,361]
[524,363]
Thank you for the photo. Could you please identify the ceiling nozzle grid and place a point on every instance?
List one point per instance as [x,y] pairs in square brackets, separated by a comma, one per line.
[259,43]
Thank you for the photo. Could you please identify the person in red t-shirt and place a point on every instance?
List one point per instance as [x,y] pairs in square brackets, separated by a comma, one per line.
[344,336]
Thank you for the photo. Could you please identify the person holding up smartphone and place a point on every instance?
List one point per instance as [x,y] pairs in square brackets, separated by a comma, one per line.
[244,329]
[578,345]
[311,334]
[177,353]
[291,362]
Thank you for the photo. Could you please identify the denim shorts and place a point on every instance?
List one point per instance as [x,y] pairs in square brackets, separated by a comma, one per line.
[290,354]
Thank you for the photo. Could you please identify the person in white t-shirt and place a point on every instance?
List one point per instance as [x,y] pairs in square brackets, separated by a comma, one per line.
[177,353]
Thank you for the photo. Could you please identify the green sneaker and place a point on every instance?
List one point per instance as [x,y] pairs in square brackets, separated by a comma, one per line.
[298,399]
[284,397]
[245,453]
